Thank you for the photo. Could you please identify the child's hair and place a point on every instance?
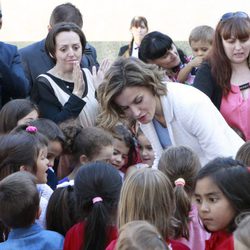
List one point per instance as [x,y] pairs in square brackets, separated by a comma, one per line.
[122,133]
[175,163]
[19,200]
[49,128]
[20,148]
[140,235]
[13,111]
[243,154]
[242,232]
[233,179]
[60,213]
[203,33]
[84,141]
[147,194]
[97,190]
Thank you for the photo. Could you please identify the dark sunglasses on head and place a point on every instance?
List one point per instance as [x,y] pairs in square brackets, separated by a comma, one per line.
[230,15]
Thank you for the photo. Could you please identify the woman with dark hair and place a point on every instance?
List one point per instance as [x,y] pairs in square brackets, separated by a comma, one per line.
[158,48]
[138,29]
[225,76]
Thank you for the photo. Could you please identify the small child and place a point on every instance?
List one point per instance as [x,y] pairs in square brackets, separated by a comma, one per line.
[242,235]
[181,165]
[17,112]
[243,154]
[84,145]
[222,193]
[147,194]
[56,140]
[97,189]
[19,208]
[200,41]
[140,235]
[60,213]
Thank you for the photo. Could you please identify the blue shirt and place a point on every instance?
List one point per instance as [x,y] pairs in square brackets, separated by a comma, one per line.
[32,238]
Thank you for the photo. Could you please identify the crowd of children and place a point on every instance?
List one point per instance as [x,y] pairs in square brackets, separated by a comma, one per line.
[136,175]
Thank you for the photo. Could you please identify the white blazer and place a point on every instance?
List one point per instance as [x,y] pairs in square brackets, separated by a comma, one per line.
[193,121]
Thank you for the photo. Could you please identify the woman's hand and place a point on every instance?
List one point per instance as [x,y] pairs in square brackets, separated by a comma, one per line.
[79,84]
[99,75]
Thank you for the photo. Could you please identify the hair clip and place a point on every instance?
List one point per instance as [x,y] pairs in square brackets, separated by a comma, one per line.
[31,129]
[180,182]
[97,199]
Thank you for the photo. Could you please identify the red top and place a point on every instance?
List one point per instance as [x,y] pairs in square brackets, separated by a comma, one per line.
[75,236]
[220,241]
[175,245]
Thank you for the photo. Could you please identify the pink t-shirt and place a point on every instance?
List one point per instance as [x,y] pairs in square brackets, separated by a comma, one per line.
[236,110]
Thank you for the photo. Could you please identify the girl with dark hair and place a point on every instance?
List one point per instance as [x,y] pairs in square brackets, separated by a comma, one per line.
[181,165]
[158,48]
[97,190]
[225,76]
[138,29]
[222,193]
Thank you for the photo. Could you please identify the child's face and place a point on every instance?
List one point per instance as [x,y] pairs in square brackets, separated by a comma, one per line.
[200,48]
[120,154]
[42,164]
[33,115]
[146,150]
[214,208]
[54,150]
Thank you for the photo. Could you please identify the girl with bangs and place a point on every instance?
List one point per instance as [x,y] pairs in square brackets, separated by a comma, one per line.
[225,76]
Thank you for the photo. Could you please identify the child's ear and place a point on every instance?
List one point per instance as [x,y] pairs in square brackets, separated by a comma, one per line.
[38,213]
[23,168]
[83,159]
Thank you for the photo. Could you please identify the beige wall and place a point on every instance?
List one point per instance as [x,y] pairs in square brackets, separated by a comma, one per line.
[108,20]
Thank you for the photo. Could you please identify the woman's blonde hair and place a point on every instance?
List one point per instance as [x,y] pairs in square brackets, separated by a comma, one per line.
[140,235]
[242,232]
[126,72]
[147,194]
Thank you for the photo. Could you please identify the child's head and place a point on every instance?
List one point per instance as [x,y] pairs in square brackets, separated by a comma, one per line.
[241,235]
[97,189]
[222,193]
[146,150]
[60,213]
[19,200]
[147,194]
[124,147]
[87,144]
[181,165]
[200,40]
[243,153]
[24,149]
[140,235]
[55,137]
[17,112]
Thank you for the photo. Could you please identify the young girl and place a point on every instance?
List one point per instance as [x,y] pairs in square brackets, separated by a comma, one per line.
[84,145]
[241,235]
[56,141]
[124,149]
[17,112]
[140,235]
[97,189]
[222,193]
[60,213]
[25,149]
[147,194]
[181,165]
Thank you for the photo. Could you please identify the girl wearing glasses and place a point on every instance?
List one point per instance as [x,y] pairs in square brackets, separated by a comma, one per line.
[225,76]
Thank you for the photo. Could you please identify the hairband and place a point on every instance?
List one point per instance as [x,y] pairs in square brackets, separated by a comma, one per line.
[97,199]
[180,182]
[31,129]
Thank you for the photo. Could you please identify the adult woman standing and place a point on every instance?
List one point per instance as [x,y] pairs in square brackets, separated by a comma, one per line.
[138,29]
[169,113]
[67,91]
[225,76]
